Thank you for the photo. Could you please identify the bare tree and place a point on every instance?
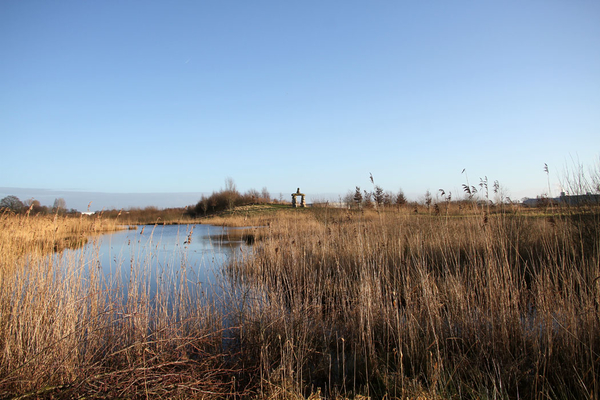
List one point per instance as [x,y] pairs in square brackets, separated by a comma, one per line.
[204,204]
[428,199]
[595,176]
[230,184]
[59,204]
[266,196]
[576,182]
[349,199]
[231,192]
[254,196]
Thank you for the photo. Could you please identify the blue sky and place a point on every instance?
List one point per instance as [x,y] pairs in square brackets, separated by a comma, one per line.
[170,97]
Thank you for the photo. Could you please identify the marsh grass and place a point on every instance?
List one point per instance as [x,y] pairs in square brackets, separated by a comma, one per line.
[37,235]
[68,330]
[330,302]
[393,304]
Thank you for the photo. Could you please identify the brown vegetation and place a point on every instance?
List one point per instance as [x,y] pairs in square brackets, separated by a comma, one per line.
[381,303]
[68,331]
[37,235]
[388,304]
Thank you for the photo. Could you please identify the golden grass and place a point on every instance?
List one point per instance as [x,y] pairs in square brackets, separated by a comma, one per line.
[43,234]
[339,303]
[389,304]
[67,330]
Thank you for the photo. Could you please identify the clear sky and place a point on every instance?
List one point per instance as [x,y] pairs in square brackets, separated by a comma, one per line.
[176,96]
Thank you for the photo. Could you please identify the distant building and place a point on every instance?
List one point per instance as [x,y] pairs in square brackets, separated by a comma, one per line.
[527,202]
[564,199]
[579,200]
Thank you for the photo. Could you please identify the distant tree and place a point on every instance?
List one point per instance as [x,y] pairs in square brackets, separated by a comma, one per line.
[595,177]
[204,205]
[11,203]
[428,199]
[230,185]
[358,196]
[32,202]
[253,196]
[400,199]
[230,192]
[212,202]
[367,199]
[378,195]
[35,206]
[201,207]
[388,199]
[348,199]
[59,204]
[266,196]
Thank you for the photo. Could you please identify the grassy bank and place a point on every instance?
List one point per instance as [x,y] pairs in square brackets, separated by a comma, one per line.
[343,303]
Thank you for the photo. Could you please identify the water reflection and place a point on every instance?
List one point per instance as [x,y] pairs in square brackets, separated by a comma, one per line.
[161,257]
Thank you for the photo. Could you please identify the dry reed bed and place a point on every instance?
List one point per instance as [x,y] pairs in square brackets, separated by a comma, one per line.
[37,235]
[343,302]
[67,330]
[363,303]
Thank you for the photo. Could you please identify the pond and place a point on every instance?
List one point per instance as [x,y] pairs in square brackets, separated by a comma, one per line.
[160,257]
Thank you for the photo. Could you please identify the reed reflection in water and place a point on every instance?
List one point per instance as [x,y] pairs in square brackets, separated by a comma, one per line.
[154,257]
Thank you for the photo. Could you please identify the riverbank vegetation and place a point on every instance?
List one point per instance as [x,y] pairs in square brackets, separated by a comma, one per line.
[397,304]
[41,234]
[67,331]
[391,302]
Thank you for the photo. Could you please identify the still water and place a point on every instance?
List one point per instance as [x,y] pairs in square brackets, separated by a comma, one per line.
[164,257]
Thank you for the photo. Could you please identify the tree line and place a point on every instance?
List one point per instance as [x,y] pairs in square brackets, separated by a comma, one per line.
[228,198]
[376,198]
[14,204]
